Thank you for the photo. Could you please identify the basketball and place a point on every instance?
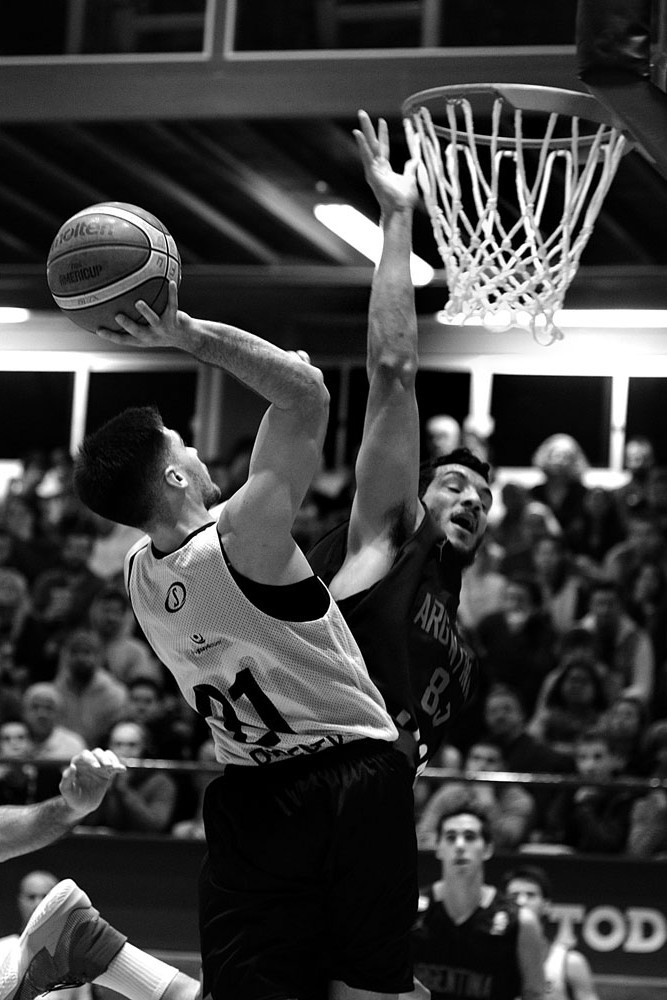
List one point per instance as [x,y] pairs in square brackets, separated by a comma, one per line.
[105,258]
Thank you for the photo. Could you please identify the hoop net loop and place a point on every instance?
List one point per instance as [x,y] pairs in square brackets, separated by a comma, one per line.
[511,211]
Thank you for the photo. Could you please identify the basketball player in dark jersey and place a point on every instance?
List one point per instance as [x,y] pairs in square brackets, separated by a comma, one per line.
[315,804]
[395,569]
[567,972]
[471,943]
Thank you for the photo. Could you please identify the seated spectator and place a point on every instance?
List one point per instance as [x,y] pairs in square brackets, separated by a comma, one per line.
[506,522]
[442,434]
[14,602]
[111,544]
[562,461]
[644,542]
[536,521]
[76,546]
[517,645]
[564,589]
[505,721]
[593,818]
[39,637]
[638,459]
[24,483]
[476,435]
[648,820]
[510,807]
[21,782]
[658,635]
[193,827]
[621,644]
[571,702]
[33,887]
[92,700]
[448,757]
[147,704]
[28,550]
[13,679]
[18,781]
[506,724]
[482,588]
[126,656]
[57,503]
[656,496]
[41,710]
[137,801]
[647,594]
[604,527]
[625,721]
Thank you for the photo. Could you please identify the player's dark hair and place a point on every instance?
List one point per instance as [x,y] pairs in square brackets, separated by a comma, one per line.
[118,469]
[460,456]
[528,873]
[465,802]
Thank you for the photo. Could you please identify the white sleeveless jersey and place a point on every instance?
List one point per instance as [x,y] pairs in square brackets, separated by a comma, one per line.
[269,689]
[555,976]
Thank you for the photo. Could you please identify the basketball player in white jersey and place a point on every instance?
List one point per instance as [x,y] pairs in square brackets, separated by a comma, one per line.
[315,804]
[567,973]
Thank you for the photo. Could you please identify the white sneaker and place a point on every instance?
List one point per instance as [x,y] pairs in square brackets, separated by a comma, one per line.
[65,943]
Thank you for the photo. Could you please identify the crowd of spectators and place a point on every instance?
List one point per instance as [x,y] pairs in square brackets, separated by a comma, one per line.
[565,607]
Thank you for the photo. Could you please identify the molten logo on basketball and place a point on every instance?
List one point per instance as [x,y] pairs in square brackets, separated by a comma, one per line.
[82,230]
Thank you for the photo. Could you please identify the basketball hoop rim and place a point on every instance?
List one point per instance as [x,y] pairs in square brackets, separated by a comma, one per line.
[524,97]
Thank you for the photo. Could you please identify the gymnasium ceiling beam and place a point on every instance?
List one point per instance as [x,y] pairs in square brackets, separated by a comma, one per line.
[259,85]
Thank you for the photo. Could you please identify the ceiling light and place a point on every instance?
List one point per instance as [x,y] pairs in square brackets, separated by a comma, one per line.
[366,237]
[10,315]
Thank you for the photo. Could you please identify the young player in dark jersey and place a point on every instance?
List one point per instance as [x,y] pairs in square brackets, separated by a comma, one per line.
[315,804]
[395,569]
[567,972]
[469,941]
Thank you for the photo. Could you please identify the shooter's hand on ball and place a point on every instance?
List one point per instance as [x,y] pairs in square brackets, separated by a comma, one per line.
[167,330]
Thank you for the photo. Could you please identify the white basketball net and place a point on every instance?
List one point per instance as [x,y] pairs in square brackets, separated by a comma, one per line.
[501,267]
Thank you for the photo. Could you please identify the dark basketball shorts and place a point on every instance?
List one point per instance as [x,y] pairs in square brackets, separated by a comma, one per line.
[310,875]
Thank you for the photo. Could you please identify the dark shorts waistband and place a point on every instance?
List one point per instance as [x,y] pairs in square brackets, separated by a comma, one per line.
[290,767]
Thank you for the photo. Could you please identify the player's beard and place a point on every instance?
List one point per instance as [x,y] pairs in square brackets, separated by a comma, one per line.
[210,492]
[211,495]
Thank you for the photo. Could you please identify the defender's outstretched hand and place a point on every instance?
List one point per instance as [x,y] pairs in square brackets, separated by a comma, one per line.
[86,779]
[167,330]
[392,190]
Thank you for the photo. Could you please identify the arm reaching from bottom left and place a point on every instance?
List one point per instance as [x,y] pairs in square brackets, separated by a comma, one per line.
[82,787]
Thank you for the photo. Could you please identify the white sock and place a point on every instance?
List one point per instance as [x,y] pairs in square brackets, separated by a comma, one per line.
[137,975]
